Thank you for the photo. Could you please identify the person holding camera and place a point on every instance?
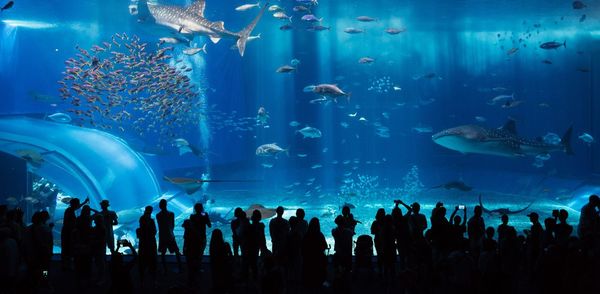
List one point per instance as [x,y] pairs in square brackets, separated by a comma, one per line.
[120,272]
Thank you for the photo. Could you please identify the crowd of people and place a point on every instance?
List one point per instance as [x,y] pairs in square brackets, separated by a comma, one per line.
[413,255]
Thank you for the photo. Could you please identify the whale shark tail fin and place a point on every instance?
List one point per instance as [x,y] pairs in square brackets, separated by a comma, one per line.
[245,33]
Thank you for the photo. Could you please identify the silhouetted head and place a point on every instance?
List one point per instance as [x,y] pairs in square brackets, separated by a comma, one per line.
[217,236]
[36,218]
[300,213]
[104,204]
[504,218]
[396,212]
[457,219]
[380,214]
[439,204]
[416,207]
[563,215]
[339,220]
[148,210]
[550,223]
[198,208]
[533,217]
[477,210]
[279,211]
[346,210]
[238,212]
[595,200]
[441,211]
[314,226]
[256,216]
[293,222]
[489,232]
[162,204]
[74,202]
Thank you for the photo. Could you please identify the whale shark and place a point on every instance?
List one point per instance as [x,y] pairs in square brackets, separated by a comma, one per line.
[191,20]
[502,141]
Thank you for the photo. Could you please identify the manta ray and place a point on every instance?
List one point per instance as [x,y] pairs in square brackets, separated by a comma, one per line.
[502,141]
[265,212]
[502,210]
[191,20]
[457,185]
[191,186]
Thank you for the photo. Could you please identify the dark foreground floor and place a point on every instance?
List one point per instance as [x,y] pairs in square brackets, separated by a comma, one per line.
[360,281]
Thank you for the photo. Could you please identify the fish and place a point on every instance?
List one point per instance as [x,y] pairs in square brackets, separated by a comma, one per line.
[502,141]
[194,51]
[501,98]
[578,5]
[282,15]
[285,69]
[246,7]
[310,132]
[364,18]
[316,166]
[585,137]
[173,40]
[295,62]
[512,51]
[185,147]
[191,20]
[267,165]
[366,60]
[582,18]
[456,185]
[480,119]
[353,31]
[422,129]
[502,211]
[311,18]
[553,45]
[265,212]
[60,117]
[395,31]
[271,149]
[331,91]
[396,88]
[294,124]
[275,8]
[301,155]
[300,8]
[512,103]
[7,6]
[286,27]
[547,61]
[317,28]
[344,124]
[428,76]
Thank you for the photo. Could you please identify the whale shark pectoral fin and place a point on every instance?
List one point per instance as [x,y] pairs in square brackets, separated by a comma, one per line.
[197,7]
[220,25]
[215,39]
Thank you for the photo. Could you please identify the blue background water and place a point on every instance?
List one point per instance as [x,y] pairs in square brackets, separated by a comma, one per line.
[463,42]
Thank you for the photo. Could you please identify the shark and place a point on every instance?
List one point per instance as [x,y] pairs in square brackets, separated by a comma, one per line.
[190,20]
[502,141]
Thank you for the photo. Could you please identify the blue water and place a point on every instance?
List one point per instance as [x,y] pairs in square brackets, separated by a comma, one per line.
[362,159]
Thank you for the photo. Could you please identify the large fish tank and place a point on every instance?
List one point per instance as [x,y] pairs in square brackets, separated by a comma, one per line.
[192,132]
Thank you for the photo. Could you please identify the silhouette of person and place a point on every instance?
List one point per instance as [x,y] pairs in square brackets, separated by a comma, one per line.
[98,245]
[458,228]
[220,262]
[562,230]
[120,272]
[294,251]
[39,236]
[534,238]
[237,226]
[66,242]
[377,231]
[342,236]
[402,235]
[476,230]
[110,219]
[314,265]
[255,242]
[348,218]
[195,240]
[279,229]
[273,281]
[82,245]
[417,222]
[148,254]
[166,239]
[302,225]
[589,219]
